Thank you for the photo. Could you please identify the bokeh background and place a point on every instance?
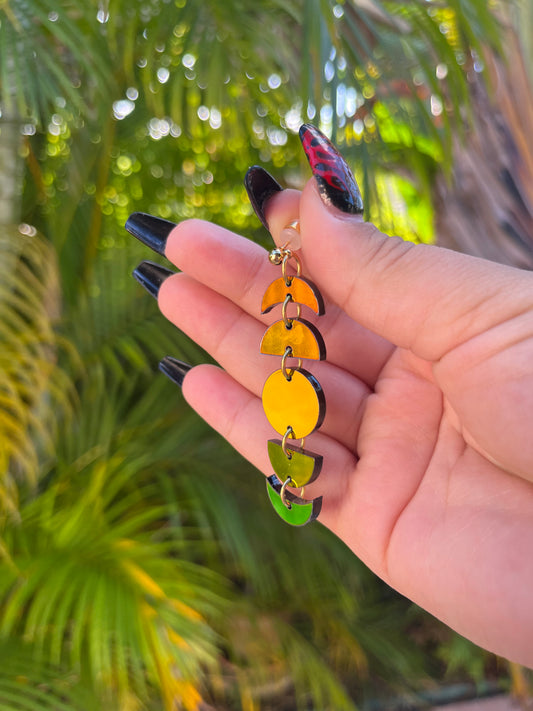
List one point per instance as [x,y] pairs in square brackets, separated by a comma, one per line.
[141,566]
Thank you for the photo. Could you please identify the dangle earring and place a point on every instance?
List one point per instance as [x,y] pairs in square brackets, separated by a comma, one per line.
[293,399]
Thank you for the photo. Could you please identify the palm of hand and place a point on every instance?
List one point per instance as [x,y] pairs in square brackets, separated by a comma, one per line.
[409,441]
[429,511]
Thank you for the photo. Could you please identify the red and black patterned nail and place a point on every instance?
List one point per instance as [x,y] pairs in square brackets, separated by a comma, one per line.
[335,180]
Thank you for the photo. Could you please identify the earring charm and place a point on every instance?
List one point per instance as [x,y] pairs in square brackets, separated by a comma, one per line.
[293,399]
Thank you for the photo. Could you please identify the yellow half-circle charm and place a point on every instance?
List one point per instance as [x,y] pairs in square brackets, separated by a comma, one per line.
[303,338]
[302,291]
[303,466]
[298,403]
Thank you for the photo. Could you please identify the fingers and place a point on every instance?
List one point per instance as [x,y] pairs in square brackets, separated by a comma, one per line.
[232,337]
[239,270]
[238,416]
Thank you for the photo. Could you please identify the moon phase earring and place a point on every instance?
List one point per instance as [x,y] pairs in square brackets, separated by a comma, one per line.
[293,399]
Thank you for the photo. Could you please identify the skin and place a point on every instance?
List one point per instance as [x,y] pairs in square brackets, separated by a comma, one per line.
[427,441]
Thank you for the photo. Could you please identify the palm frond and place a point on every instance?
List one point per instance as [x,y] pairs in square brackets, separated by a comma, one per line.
[27,684]
[104,589]
[35,393]
[118,325]
[48,52]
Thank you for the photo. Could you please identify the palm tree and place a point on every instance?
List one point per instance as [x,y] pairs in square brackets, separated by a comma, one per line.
[135,568]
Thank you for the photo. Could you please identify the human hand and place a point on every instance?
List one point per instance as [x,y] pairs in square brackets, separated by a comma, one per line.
[428,456]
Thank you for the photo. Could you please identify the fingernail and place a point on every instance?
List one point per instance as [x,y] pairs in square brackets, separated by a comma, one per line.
[174,369]
[151,231]
[151,276]
[335,180]
[260,186]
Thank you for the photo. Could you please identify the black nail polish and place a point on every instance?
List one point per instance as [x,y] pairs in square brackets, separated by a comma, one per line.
[151,231]
[336,183]
[260,186]
[151,276]
[174,369]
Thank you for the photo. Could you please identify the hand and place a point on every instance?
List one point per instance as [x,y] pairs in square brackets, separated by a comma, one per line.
[428,436]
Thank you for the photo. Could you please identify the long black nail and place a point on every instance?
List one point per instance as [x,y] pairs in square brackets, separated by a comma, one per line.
[260,186]
[335,180]
[174,369]
[151,231]
[151,276]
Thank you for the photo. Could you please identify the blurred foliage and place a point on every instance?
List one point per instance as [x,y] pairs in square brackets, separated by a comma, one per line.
[136,573]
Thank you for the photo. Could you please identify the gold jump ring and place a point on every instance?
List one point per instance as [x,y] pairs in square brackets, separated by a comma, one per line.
[288,433]
[283,492]
[290,255]
[288,372]
[286,320]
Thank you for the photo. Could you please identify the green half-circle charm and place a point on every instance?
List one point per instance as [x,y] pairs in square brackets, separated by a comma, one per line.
[301,511]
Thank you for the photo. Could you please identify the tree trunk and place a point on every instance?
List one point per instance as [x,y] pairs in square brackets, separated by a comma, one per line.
[486,209]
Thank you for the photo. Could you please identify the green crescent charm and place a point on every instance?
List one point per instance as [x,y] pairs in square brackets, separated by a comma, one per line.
[301,511]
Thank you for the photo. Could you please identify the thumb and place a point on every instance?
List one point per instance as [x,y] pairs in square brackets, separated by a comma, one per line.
[420,297]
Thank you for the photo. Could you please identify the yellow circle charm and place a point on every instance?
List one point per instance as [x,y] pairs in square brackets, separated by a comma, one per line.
[298,402]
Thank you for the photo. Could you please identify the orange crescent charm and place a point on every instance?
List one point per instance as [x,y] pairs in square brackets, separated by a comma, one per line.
[302,291]
[303,338]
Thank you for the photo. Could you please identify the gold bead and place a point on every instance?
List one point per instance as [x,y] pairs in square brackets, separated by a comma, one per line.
[275,256]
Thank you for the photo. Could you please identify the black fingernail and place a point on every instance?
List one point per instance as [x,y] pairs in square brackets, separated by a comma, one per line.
[151,276]
[151,231]
[174,369]
[260,186]
[335,180]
